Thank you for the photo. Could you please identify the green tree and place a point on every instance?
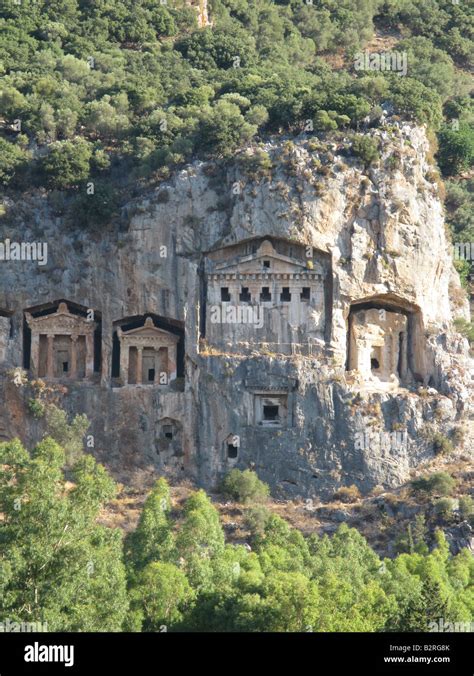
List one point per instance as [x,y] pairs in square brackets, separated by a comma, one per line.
[69,435]
[414,540]
[291,602]
[57,565]
[223,129]
[108,117]
[162,595]
[456,149]
[429,606]
[152,540]
[410,577]
[366,148]
[67,163]
[244,486]
[324,122]
[12,158]
[13,103]
[415,100]
[200,543]
[350,579]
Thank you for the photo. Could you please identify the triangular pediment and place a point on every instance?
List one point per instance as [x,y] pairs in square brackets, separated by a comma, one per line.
[149,330]
[62,318]
[255,262]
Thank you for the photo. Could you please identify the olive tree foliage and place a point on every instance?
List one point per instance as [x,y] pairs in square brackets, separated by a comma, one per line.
[140,83]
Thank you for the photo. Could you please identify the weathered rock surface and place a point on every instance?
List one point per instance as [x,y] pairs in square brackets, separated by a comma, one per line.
[383,230]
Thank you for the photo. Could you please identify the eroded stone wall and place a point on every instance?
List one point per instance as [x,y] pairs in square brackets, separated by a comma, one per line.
[379,233]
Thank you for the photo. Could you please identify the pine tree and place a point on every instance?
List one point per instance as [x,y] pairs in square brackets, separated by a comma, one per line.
[428,607]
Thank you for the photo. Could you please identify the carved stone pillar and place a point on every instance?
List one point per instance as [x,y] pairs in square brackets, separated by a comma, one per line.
[50,357]
[124,362]
[394,353]
[172,362]
[403,355]
[73,373]
[89,355]
[139,365]
[35,351]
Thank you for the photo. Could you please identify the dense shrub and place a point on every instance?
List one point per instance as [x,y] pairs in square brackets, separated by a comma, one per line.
[256,518]
[456,149]
[438,483]
[255,163]
[67,163]
[244,486]
[12,158]
[465,328]
[444,507]
[441,444]
[466,508]
[366,148]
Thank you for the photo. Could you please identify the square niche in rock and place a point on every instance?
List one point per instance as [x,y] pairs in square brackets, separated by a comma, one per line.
[271,409]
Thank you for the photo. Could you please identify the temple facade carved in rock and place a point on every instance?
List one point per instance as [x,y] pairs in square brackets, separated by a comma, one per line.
[148,355]
[266,293]
[62,345]
[378,344]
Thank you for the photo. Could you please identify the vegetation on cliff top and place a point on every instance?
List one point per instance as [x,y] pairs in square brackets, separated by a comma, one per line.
[114,89]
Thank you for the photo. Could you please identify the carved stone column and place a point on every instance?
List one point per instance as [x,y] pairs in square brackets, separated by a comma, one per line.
[89,355]
[403,355]
[172,362]
[139,365]
[34,358]
[394,353]
[124,362]
[73,373]
[50,357]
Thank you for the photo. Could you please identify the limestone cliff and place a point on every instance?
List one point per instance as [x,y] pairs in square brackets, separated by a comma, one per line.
[291,399]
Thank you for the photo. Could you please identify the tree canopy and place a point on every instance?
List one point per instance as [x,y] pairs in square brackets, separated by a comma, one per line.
[175,571]
[95,90]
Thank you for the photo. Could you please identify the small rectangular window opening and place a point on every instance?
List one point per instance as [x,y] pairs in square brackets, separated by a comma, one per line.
[245,296]
[271,413]
[232,451]
[305,293]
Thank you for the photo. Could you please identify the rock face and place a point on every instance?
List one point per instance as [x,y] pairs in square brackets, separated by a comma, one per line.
[202,11]
[263,279]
